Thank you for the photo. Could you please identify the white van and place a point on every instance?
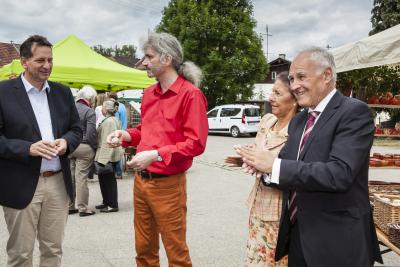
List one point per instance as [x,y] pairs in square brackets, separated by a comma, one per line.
[235,119]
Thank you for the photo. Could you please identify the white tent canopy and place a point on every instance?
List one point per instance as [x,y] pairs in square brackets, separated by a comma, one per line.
[379,49]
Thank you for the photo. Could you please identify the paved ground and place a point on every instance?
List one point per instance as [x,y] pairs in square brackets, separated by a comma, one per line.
[217,217]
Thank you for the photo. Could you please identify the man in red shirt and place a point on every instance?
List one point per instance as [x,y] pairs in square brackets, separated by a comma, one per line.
[173,130]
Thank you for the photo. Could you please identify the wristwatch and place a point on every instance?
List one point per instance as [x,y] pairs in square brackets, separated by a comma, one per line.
[159,158]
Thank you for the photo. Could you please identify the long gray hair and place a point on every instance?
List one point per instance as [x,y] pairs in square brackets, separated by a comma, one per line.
[167,44]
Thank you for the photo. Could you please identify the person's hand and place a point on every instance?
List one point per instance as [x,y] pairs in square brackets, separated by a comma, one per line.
[44,149]
[143,159]
[61,146]
[233,161]
[261,160]
[114,139]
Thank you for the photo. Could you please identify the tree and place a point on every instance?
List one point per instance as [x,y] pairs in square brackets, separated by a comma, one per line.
[219,36]
[385,14]
[124,51]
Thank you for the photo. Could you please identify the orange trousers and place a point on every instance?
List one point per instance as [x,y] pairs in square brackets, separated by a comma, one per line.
[160,209]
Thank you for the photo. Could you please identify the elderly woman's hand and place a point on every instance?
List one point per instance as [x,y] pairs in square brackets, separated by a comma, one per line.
[116,138]
[257,158]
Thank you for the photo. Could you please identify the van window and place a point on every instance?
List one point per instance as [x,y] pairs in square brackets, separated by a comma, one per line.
[212,113]
[252,112]
[229,112]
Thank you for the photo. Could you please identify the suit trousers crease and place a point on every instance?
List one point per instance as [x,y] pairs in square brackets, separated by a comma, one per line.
[45,217]
[160,209]
[81,162]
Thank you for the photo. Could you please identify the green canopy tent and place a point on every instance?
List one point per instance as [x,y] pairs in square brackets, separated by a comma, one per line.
[76,64]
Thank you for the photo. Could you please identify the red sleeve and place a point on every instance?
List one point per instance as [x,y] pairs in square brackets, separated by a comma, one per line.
[195,131]
[135,134]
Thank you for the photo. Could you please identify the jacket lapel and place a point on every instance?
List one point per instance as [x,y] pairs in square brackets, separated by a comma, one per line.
[299,131]
[25,104]
[52,101]
[328,112]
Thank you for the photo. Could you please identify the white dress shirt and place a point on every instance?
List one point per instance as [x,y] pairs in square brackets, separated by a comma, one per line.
[40,106]
[276,167]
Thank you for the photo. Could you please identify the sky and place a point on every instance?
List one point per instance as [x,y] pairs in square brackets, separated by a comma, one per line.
[293,24]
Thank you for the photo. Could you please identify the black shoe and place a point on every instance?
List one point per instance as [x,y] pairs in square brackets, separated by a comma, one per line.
[86,213]
[73,211]
[101,206]
[109,209]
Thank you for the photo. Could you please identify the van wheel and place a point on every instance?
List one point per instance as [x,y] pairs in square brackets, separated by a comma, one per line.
[235,132]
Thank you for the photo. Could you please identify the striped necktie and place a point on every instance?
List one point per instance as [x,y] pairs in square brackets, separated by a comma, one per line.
[312,116]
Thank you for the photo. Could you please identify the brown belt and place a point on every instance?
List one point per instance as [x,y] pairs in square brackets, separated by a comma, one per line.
[49,173]
[151,175]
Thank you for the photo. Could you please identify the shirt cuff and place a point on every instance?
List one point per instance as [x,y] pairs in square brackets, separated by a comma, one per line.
[276,169]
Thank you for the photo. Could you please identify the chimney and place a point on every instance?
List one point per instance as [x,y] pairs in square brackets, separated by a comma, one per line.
[282,56]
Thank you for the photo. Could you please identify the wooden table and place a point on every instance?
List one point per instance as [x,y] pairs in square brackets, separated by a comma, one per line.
[383,239]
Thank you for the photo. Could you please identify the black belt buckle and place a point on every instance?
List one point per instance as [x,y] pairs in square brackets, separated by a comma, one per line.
[150,175]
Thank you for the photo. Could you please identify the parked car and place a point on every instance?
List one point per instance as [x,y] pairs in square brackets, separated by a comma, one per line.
[235,119]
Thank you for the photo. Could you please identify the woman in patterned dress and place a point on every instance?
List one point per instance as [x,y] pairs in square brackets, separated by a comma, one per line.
[265,202]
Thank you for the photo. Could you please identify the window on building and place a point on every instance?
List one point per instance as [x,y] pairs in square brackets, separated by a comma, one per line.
[273,75]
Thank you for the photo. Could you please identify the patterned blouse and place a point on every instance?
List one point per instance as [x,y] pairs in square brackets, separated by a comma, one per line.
[266,201]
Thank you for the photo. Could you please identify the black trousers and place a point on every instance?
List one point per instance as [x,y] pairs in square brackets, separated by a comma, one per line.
[296,256]
[109,189]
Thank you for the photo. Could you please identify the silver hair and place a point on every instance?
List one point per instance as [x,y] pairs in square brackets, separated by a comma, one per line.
[322,57]
[87,92]
[110,106]
[167,44]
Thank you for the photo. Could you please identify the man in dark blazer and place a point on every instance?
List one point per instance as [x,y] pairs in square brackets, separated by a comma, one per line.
[39,127]
[323,171]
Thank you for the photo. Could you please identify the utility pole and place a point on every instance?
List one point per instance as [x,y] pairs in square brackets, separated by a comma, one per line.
[267,34]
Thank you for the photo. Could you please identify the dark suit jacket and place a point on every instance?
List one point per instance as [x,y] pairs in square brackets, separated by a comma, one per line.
[331,180]
[19,172]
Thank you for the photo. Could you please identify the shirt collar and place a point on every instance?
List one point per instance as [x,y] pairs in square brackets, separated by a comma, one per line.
[324,102]
[175,87]
[28,86]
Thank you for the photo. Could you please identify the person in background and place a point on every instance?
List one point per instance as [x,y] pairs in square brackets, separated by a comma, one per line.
[82,157]
[99,106]
[121,115]
[39,128]
[106,154]
[265,202]
[173,130]
[323,168]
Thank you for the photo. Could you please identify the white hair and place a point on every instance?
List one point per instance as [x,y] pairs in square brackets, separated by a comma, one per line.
[88,93]
[110,106]
[323,58]
[167,44]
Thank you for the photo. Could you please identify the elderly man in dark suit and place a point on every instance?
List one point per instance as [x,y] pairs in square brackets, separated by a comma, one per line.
[39,127]
[323,169]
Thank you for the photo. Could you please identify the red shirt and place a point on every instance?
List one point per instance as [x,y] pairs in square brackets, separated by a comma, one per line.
[174,123]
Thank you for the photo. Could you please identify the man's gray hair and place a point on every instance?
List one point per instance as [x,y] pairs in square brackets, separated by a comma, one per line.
[322,57]
[87,92]
[167,44]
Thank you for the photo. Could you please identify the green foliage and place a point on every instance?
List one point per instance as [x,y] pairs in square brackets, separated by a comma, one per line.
[218,36]
[124,51]
[385,14]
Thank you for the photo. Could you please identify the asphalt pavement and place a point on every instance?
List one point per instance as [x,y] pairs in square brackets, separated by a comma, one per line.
[217,217]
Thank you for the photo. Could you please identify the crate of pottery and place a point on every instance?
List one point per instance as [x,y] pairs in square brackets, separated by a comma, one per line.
[386,211]
[380,187]
[394,234]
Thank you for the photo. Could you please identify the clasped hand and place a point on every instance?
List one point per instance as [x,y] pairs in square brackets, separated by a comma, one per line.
[48,149]
[255,159]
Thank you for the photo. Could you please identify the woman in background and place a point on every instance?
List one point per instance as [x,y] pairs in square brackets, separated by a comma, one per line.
[106,154]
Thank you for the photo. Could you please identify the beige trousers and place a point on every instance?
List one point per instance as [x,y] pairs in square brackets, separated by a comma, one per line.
[45,217]
[81,161]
